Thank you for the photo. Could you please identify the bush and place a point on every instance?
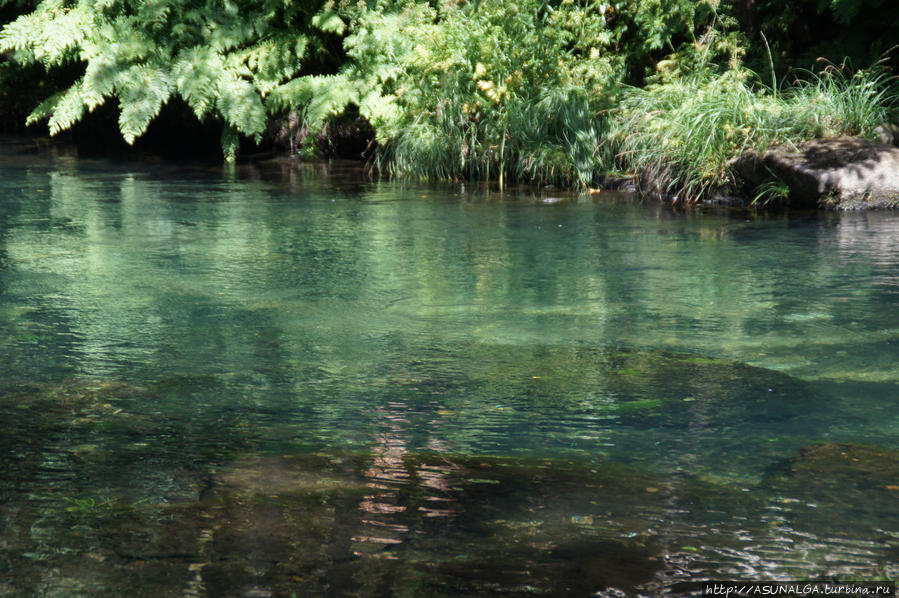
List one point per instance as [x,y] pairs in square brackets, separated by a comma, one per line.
[492,90]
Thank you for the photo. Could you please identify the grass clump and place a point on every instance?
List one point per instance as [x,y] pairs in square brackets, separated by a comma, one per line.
[556,137]
[839,101]
[682,133]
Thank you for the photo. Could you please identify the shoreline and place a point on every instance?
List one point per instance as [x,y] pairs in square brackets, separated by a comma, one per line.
[639,185]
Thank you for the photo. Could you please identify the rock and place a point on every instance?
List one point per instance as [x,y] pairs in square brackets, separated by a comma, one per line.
[842,466]
[846,173]
[888,133]
[854,484]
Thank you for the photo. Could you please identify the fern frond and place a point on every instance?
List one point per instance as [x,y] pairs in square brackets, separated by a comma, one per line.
[382,112]
[329,21]
[317,96]
[196,74]
[99,80]
[273,60]
[19,34]
[142,91]
[68,110]
[60,35]
[44,109]
[240,104]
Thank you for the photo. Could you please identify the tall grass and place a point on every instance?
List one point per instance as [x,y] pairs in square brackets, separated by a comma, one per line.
[839,101]
[682,135]
[557,137]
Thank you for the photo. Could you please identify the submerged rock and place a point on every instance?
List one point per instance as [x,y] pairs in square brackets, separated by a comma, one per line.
[846,465]
[854,488]
[846,173]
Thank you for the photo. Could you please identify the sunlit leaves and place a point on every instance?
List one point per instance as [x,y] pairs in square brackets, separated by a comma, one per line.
[143,91]
[317,96]
[196,73]
[273,60]
[240,104]
[48,35]
[99,80]
[222,58]
[45,109]
[67,110]
[329,21]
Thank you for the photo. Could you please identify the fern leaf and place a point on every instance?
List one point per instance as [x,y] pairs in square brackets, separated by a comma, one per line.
[382,112]
[45,109]
[196,74]
[63,34]
[329,21]
[142,92]
[240,104]
[273,60]
[19,35]
[68,110]
[99,80]
[317,96]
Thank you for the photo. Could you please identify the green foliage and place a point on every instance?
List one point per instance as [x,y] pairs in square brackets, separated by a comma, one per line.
[838,101]
[487,90]
[559,92]
[773,190]
[223,57]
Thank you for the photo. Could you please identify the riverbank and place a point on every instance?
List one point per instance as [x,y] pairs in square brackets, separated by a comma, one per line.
[569,95]
[833,174]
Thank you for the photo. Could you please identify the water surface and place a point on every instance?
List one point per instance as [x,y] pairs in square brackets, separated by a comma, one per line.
[293,380]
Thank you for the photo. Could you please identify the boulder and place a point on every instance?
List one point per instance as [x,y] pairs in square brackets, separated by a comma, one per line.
[888,133]
[846,173]
[850,489]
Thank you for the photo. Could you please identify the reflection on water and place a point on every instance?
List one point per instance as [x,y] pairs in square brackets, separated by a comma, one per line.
[266,384]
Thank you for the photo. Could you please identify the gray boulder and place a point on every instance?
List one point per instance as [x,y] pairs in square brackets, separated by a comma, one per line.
[888,133]
[846,173]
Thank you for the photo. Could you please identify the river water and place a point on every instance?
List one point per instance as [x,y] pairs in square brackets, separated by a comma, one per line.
[296,381]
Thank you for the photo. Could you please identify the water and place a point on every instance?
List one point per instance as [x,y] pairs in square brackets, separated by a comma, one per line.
[290,381]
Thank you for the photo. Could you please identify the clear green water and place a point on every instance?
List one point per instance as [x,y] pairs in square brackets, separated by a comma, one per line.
[287,381]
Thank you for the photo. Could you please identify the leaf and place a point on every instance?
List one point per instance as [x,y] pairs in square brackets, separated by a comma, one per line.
[273,60]
[196,74]
[318,96]
[240,105]
[142,91]
[45,108]
[68,110]
[329,22]
[99,80]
